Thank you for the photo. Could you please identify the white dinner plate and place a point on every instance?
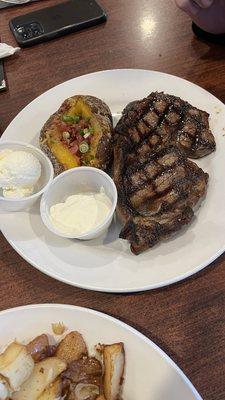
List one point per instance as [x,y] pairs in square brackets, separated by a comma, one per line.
[149,374]
[106,264]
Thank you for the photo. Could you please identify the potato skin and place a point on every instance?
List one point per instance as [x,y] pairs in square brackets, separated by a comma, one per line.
[58,168]
[72,347]
[103,116]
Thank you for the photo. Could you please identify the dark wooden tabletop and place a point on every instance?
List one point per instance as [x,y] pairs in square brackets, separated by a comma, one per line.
[187,319]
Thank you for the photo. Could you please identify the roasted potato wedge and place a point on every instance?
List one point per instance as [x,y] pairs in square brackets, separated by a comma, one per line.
[16,365]
[79,133]
[5,389]
[84,370]
[44,373]
[114,361]
[53,391]
[72,347]
[39,348]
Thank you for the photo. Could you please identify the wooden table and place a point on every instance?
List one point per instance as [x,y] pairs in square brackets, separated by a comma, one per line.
[187,319]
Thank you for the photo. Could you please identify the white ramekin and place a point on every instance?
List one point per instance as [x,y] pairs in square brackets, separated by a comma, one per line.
[47,175]
[77,180]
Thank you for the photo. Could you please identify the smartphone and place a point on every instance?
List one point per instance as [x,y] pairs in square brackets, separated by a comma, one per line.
[52,22]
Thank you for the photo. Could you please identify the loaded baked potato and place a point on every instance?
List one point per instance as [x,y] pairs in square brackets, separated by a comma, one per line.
[79,133]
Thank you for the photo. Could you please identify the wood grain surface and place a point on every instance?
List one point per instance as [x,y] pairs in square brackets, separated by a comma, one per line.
[187,319]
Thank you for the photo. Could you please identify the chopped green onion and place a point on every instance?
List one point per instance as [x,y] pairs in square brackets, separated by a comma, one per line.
[67,118]
[70,118]
[87,119]
[84,147]
[86,132]
[76,118]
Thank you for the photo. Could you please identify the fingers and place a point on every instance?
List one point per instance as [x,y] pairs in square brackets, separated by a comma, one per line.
[193,7]
[207,14]
[189,6]
[204,3]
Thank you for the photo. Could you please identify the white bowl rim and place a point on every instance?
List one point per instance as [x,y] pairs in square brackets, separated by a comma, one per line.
[48,222]
[37,194]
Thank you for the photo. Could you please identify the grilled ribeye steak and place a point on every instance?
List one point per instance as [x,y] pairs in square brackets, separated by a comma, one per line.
[157,193]
[161,119]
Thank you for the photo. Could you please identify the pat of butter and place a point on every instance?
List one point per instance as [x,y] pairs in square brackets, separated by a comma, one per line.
[81,212]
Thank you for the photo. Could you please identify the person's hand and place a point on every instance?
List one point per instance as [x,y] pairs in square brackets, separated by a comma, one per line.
[207,14]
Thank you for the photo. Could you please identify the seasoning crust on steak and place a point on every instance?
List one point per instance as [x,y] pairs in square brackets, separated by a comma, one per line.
[158,187]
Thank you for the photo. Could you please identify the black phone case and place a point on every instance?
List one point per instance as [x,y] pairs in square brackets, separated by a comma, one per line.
[51,22]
